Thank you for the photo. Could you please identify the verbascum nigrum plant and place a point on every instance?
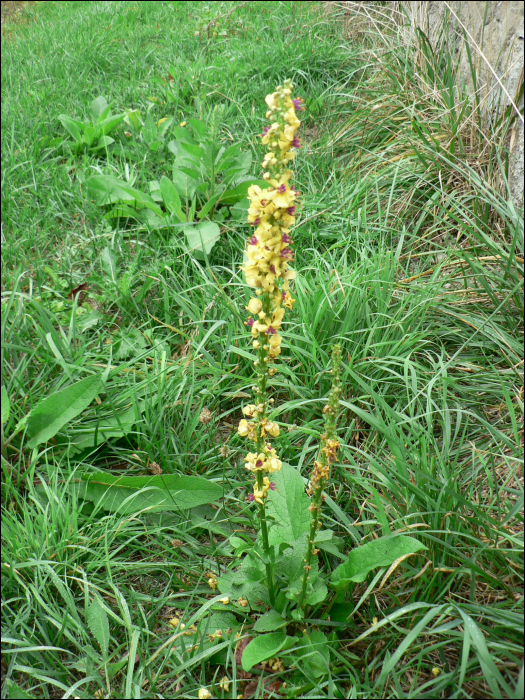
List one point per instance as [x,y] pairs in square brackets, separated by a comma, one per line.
[321,471]
[267,270]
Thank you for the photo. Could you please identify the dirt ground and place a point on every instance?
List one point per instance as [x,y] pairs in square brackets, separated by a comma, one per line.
[14,13]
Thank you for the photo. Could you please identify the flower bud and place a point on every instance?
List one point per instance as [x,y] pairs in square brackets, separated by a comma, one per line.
[254,306]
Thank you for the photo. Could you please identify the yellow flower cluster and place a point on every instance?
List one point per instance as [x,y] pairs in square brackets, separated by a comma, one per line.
[268,254]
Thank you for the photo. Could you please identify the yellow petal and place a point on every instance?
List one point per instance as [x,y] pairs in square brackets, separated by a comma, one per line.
[254,306]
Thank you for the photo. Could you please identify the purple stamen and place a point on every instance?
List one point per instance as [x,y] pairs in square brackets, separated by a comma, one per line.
[272,269]
[295,143]
[253,241]
[250,498]
[283,295]
[297,104]
[259,463]
[285,238]
[271,331]
[291,211]
[249,322]
[273,486]
[281,189]
[287,253]
[256,222]
[265,130]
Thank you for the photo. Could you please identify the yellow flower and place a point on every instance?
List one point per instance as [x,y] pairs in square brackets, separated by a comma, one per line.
[284,197]
[243,428]
[204,694]
[246,429]
[288,301]
[436,671]
[272,429]
[224,601]
[224,684]
[212,582]
[273,465]
[249,410]
[275,340]
[183,124]
[254,462]
[277,318]
[260,494]
[254,306]
[161,121]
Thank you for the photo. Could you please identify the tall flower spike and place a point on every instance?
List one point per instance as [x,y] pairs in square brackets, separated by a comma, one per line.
[321,472]
[268,256]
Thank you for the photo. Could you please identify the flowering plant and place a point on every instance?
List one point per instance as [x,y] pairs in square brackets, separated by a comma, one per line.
[267,271]
[268,254]
[281,569]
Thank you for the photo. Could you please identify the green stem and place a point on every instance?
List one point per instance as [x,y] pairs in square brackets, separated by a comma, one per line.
[266,545]
[262,379]
[314,524]
[321,472]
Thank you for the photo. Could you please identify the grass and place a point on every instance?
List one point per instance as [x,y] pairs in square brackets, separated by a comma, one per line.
[410,254]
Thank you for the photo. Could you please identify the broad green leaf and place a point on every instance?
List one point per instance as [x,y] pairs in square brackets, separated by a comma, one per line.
[15,692]
[97,432]
[183,135]
[193,174]
[107,126]
[219,621]
[200,127]
[225,158]
[240,210]
[149,131]
[171,198]
[133,119]
[56,410]
[97,619]
[379,553]
[108,261]
[208,206]
[314,649]
[74,127]
[318,594]
[262,648]
[89,135]
[236,584]
[129,494]
[270,621]
[238,193]
[104,142]
[98,107]
[288,506]
[341,612]
[6,405]
[105,189]
[289,564]
[184,185]
[129,344]
[243,161]
[192,150]
[163,128]
[202,238]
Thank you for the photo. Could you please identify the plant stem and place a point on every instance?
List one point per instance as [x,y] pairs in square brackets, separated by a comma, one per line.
[321,472]
[266,545]
[262,400]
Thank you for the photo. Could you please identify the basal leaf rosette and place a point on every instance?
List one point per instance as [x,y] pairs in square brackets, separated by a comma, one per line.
[268,256]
